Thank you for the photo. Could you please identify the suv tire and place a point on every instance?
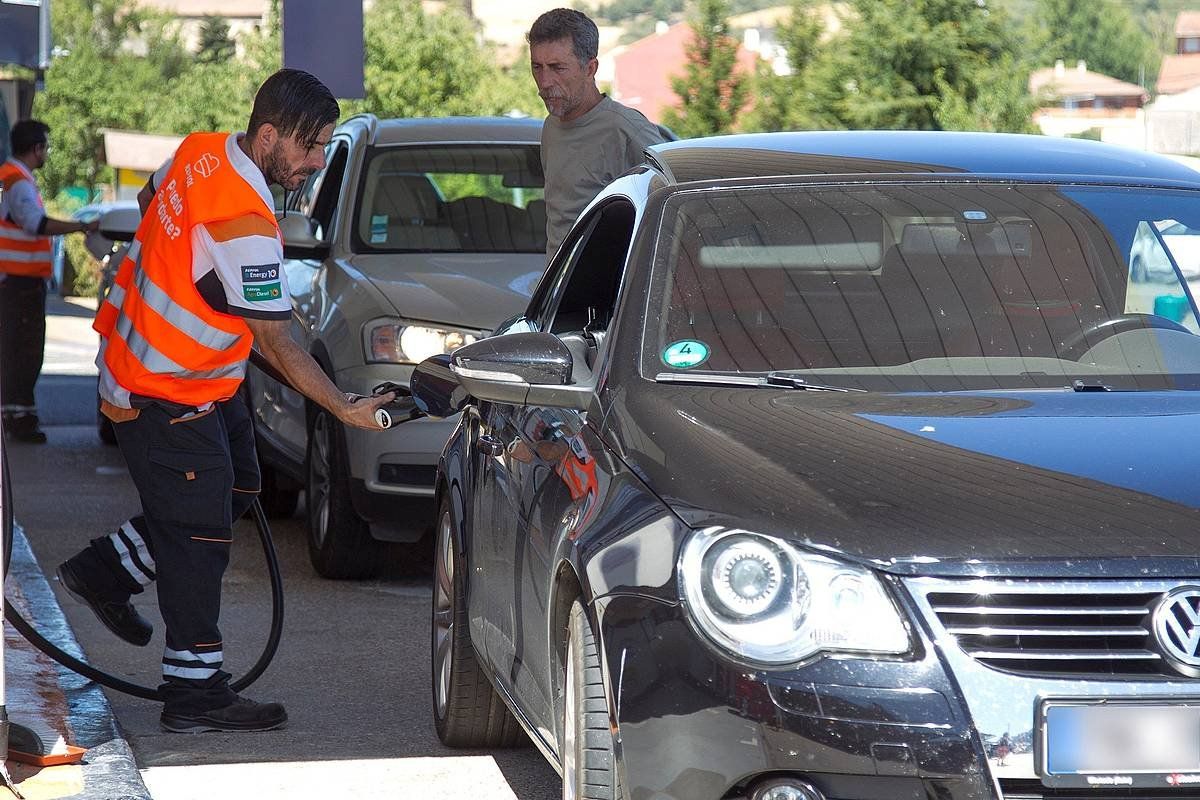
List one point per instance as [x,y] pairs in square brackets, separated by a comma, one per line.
[467,711]
[340,545]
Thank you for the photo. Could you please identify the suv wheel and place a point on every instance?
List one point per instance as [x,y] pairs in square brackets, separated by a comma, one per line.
[467,712]
[339,541]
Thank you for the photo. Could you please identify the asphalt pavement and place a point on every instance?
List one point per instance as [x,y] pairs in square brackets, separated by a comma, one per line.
[352,668]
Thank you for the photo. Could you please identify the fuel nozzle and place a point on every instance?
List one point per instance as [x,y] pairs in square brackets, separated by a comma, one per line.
[401,409]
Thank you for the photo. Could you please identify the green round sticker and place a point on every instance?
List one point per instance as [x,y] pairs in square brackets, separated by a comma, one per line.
[685,354]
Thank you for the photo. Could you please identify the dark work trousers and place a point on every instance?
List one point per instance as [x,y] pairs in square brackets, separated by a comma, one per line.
[195,476]
[22,343]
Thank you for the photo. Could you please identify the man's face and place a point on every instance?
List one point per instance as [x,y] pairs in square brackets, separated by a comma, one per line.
[289,162]
[39,155]
[562,82]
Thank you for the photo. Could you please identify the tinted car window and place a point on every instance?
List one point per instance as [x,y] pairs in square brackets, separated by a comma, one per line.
[922,287]
[452,198]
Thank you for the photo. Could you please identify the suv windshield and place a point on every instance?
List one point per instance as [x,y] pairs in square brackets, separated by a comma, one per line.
[930,287]
[452,198]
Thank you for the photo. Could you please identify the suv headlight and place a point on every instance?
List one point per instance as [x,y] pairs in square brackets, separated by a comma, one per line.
[767,602]
[396,341]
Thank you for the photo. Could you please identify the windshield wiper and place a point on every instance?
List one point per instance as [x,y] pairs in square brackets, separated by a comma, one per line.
[1082,386]
[792,381]
[781,379]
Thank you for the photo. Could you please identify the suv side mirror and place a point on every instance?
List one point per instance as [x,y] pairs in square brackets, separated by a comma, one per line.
[298,239]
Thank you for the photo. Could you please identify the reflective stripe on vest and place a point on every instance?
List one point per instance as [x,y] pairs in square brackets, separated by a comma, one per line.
[162,339]
[21,253]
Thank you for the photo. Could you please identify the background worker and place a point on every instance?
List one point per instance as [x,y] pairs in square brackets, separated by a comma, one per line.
[589,139]
[25,260]
[201,282]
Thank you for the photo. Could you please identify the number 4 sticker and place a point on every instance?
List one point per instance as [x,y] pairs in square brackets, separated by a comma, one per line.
[685,354]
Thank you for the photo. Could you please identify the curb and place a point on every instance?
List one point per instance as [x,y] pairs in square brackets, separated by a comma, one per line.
[109,770]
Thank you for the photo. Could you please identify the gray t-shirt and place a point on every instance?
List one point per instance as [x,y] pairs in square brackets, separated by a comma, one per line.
[581,157]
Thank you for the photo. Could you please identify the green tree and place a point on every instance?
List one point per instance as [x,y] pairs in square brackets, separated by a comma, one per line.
[215,44]
[922,65]
[785,102]
[1101,32]
[712,92]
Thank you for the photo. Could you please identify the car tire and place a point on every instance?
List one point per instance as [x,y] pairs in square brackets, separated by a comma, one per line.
[277,502]
[587,754]
[340,545]
[467,711]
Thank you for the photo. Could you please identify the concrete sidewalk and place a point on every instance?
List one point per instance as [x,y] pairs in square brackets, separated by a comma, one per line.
[58,705]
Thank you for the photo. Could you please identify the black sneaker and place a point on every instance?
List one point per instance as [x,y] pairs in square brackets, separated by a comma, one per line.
[25,429]
[241,715]
[120,618]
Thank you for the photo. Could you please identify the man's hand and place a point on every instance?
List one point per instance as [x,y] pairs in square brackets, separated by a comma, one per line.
[273,340]
[361,413]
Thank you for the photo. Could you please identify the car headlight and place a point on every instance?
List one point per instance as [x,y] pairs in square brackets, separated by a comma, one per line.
[398,342]
[770,603]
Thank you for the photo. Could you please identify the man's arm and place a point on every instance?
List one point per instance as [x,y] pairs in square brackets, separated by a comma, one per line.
[25,209]
[57,227]
[273,340]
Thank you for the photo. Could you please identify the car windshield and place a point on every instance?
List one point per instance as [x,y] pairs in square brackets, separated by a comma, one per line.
[930,287]
[452,198]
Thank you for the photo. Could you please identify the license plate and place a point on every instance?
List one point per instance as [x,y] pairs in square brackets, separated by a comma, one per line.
[1119,743]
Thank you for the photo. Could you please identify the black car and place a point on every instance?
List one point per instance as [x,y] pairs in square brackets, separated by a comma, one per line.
[847,466]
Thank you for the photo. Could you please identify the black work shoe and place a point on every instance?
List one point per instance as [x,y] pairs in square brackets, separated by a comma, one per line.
[25,429]
[240,715]
[120,618]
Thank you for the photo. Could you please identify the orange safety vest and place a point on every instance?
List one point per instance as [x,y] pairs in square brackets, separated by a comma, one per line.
[161,339]
[21,253]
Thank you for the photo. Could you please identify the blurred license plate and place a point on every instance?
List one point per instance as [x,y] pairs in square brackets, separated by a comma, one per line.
[1115,744]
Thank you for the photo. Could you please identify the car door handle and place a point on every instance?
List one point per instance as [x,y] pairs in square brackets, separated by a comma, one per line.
[489,445]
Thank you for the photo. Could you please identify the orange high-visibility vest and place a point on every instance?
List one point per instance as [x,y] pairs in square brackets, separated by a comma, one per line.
[162,340]
[21,253]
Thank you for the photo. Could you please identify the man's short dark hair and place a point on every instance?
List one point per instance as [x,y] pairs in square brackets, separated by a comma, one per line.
[567,23]
[294,102]
[28,134]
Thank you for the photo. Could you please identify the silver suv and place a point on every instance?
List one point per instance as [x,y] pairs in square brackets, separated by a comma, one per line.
[420,236]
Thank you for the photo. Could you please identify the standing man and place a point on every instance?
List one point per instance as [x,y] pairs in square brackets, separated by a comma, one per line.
[589,139]
[201,282]
[25,258]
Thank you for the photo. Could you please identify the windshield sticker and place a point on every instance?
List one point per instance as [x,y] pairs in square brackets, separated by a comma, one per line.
[379,224]
[685,354]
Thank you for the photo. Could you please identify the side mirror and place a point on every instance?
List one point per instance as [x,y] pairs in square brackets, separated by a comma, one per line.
[521,369]
[298,239]
[120,224]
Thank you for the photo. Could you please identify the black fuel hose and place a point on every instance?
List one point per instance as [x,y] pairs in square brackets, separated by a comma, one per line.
[111,681]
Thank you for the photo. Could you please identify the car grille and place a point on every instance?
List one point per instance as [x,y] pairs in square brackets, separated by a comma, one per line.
[1059,633]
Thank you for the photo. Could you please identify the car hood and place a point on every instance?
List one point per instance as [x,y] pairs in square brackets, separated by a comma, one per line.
[937,484]
[471,290]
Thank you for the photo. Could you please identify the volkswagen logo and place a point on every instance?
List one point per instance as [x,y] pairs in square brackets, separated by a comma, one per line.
[1177,629]
[207,164]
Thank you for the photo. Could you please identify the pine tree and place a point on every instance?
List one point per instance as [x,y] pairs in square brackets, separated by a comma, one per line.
[215,45]
[712,92]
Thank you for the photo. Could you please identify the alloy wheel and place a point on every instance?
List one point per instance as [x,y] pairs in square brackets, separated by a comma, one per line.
[443,612]
[319,481]
[570,724]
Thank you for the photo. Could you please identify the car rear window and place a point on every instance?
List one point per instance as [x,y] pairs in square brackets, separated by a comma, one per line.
[452,198]
[926,286]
